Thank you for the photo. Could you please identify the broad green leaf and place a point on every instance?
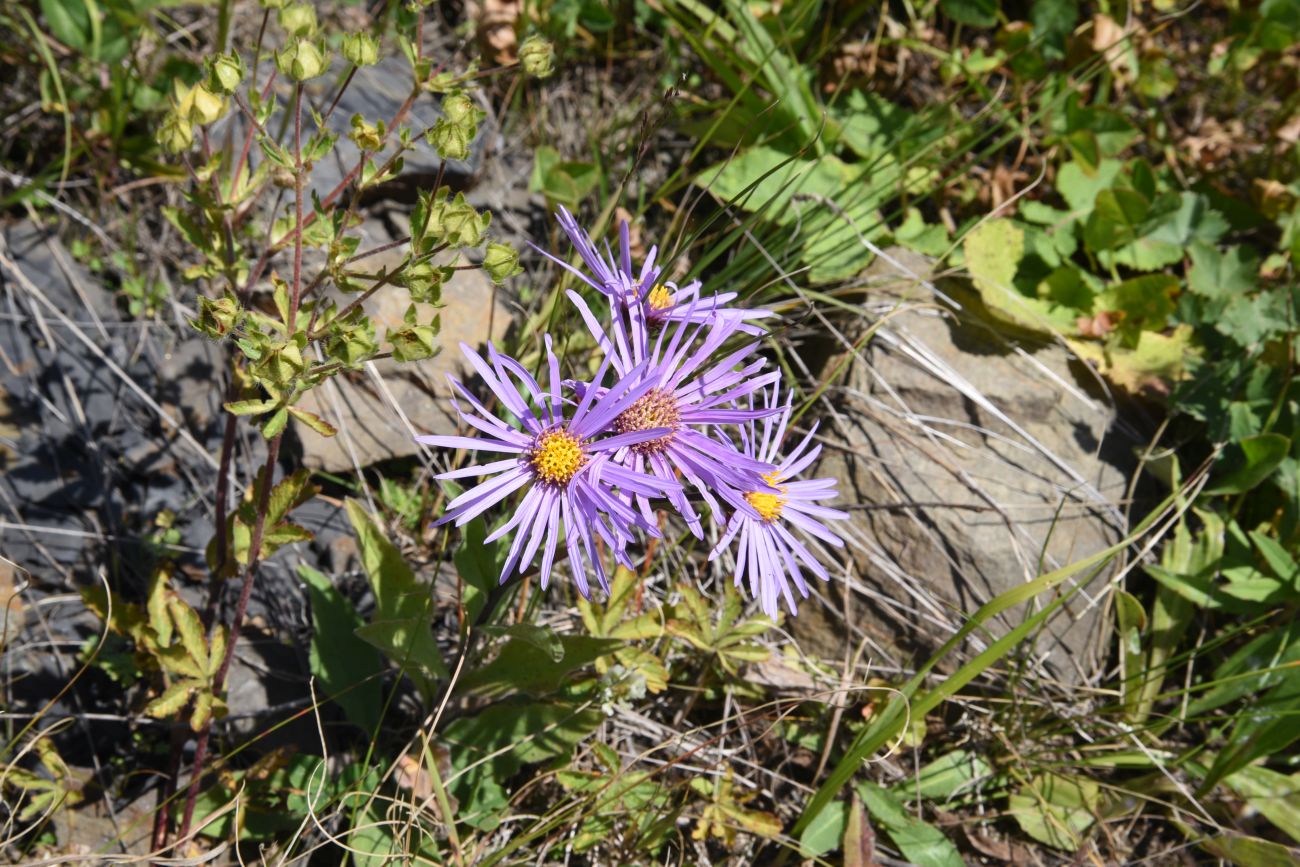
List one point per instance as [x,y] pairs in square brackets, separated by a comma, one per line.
[479,565]
[993,251]
[1283,564]
[400,625]
[1260,456]
[920,842]
[948,776]
[520,666]
[1079,187]
[1145,301]
[1116,218]
[1269,727]
[1246,851]
[1276,796]
[313,421]
[1220,276]
[1055,809]
[976,13]
[69,22]
[344,664]
[825,832]
[544,638]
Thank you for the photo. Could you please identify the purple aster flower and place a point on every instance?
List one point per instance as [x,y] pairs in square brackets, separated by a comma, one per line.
[767,551]
[572,485]
[659,301]
[688,389]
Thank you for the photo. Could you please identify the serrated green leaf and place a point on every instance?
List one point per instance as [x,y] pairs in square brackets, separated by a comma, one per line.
[177,660]
[190,628]
[172,699]
[313,421]
[250,407]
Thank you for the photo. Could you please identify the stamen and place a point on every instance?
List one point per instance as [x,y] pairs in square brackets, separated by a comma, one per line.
[557,455]
[767,505]
[660,298]
[656,408]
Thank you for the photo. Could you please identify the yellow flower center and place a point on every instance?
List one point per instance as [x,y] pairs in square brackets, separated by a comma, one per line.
[659,298]
[656,408]
[767,505]
[557,455]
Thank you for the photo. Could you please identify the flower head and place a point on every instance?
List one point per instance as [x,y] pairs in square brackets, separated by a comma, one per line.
[572,487]
[767,551]
[690,389]
[659,301]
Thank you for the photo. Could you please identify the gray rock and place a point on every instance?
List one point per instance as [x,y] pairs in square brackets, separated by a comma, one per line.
[371,428]
[972,463]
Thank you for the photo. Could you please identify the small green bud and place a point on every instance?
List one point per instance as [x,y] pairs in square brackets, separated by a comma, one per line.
[452,140]
[424,281]
[361,49]
[501,261]
[200,105]
[176,133]
[366,136]
[414,341]
[301,60]
[298,19]
[225,72]
[537,57]
[218,317]
[460,109]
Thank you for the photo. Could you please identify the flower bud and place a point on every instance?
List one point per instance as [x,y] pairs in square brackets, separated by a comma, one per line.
[460,109]
[451,140]
[501,261]
[361,49]
[366,136]
[298,19]
[176,133]
[200,105]
[225,72]
[302,59]
[537,57]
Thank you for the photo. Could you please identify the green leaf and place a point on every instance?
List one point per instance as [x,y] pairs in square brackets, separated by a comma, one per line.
[1283,564]
[544,638]
[825,832]
[1220,276]
[1260,455]
[489,748]
[69,22]
[313,421]
[520,667]
[479,565]
[976,13]
[565,182]
[172,699]
[400,625]
[952,774]
[1079,186]
[190,628]
[1055,809]
[1246,851]
[1276,796]
[344,664]
[993,251]
[1115,220]
[250,407]
[920,842]
[1145,301]
[1132,622]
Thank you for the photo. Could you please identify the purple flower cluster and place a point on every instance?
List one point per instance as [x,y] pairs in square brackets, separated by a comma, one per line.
[680,410]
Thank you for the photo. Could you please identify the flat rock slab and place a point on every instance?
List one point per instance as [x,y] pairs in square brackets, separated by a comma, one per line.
[378,421]
[971,464]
